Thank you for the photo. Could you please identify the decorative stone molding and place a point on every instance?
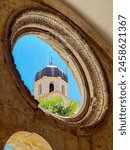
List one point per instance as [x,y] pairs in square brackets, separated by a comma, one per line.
[71,44]
[28,141]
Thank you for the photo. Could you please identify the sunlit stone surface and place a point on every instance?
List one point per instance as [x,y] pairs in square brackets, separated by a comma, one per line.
[27,141]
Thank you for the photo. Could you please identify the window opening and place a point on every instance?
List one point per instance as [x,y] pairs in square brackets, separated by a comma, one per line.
[46,70]
[51,87]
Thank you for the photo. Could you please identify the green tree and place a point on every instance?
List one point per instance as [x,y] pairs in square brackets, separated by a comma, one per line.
[56,105]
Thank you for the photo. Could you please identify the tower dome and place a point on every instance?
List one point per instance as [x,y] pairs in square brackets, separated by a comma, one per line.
[51,71]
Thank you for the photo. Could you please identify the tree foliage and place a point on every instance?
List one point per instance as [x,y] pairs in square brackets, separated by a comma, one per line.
[56,105]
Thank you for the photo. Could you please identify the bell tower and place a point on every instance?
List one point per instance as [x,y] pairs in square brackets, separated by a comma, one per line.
[50,80]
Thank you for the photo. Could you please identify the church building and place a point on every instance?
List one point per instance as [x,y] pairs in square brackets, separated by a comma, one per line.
[50,82]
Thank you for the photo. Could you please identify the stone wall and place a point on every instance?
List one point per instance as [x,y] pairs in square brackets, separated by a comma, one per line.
[56,93]
[27,141]
[19,112]
[45,83]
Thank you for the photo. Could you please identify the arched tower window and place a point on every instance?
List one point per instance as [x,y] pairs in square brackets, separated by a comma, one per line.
[63,89]
[51,87]
[39,89]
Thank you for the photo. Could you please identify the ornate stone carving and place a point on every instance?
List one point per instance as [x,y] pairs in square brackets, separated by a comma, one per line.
[71,43]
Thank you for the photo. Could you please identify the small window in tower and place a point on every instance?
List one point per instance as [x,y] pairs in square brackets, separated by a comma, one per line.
[39,89]
[51,87]
[63,89]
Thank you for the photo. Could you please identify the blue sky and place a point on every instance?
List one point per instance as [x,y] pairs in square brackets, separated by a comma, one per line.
[31,55]
[7,148]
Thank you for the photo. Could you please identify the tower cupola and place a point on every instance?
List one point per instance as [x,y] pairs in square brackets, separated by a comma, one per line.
[50,79]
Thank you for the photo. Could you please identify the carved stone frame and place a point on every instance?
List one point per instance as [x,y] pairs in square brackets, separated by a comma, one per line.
[71,43]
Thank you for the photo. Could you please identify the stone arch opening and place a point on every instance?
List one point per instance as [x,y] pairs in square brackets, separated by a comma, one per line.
[27,141]
[51,87]
[61,33]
